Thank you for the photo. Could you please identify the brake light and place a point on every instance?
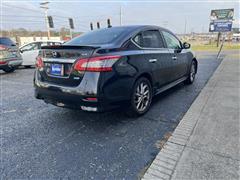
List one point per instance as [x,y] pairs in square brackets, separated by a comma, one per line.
[91,99]
[39,62]
[96,64]
[2,47]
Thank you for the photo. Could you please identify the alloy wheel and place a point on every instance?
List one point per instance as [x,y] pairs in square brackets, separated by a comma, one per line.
[142,96]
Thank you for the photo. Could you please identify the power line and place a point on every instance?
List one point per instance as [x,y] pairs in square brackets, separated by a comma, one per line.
[22,8]
[101,15]
[7,15]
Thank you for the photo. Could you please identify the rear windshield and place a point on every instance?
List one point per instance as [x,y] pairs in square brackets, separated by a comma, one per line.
[6,41]
[97,37]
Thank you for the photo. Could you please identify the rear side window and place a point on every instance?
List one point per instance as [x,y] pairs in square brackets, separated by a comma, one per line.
[6,41]
[30,47]
[149,39]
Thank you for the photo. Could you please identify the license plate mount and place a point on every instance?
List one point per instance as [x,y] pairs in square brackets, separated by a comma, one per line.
[57,69]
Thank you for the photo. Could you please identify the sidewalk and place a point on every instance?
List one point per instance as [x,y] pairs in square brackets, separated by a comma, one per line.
[205,144]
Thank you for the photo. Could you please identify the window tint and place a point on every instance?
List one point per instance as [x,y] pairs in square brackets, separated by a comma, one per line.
[172,41]
[29,47]
[149,39]
[6,41]
[138,40]
[102,36]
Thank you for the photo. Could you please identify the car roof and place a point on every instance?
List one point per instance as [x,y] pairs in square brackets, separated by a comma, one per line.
[140,27]
[134,29]
[131,31]
[47,41]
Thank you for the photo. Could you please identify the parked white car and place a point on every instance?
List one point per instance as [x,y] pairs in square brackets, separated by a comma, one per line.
[30,51]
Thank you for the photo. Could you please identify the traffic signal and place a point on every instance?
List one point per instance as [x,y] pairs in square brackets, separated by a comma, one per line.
[91,26]
[50,22]
[109,23]
[98,25]
[71,23]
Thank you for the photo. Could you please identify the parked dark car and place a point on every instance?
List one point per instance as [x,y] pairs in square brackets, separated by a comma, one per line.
[10,57]
[113,67]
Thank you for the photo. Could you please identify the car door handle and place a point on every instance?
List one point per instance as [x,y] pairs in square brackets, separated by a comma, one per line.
[174,57]
[152,60]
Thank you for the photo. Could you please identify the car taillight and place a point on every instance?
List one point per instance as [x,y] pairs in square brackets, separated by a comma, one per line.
[2,47]
[39,62]
[96,64]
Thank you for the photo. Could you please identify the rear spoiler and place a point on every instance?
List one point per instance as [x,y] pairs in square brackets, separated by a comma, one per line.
[69,47]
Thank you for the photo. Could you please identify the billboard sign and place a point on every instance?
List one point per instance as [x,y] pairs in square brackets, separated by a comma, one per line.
[220,26]
[222,14]
[221,20]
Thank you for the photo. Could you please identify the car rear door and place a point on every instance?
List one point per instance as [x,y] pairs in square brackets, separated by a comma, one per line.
[177,56]
[29,53]
[155,52]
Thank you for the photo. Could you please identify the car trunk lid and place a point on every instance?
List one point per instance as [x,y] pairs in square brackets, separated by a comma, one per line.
[59,62]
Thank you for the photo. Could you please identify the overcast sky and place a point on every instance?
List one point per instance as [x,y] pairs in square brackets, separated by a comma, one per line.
[170,14]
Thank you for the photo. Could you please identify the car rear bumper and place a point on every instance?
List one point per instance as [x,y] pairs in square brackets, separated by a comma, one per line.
[75,101]
[10,63]
[74,97]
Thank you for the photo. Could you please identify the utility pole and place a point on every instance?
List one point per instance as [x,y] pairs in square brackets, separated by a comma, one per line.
[185,27]
[218,38]
[70,31]
[44,5]
[120,14]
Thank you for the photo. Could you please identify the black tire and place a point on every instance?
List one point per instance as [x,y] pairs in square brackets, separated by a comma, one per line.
[9,69]
[29,66]
[192,73]
[140,99]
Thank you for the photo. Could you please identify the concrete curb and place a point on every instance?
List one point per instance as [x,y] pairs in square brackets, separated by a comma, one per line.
[166,161]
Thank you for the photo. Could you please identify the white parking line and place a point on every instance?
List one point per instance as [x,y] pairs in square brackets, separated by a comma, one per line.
[18,83]
[9,111]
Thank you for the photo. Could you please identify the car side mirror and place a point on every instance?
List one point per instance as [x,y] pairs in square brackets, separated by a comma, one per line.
[186,45]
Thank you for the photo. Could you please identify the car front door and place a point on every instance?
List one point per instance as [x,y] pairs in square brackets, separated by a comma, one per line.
[178,56]
[152,44]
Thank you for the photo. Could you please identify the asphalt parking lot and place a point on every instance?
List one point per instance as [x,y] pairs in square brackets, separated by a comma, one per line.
[42,141]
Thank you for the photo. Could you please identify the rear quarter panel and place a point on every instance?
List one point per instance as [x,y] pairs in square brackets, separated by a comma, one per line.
[119,83]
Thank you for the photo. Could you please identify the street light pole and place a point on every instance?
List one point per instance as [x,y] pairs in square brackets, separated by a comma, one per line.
[185,27]
[120,13]
[44,5]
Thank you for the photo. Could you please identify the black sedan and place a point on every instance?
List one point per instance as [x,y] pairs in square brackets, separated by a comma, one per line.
[113,67]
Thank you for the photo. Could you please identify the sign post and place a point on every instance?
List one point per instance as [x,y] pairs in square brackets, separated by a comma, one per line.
[221,21]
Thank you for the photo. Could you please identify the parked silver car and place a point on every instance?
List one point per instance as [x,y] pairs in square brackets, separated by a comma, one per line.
[10,57]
